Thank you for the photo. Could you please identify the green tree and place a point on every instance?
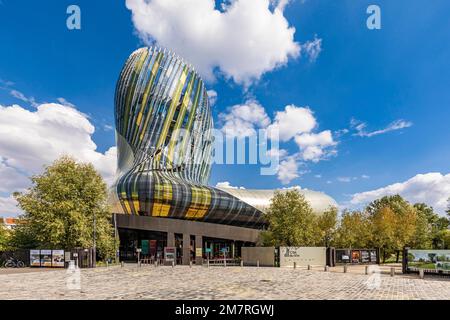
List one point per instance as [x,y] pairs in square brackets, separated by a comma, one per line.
[448,207]
[291,221]
[60,208]
[435,228]
[4,238]
[353,230]
[422,236]
[446,239]
[326,226]
[382,226]
[394,223]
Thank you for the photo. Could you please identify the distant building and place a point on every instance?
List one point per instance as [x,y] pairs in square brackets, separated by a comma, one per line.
[8,223]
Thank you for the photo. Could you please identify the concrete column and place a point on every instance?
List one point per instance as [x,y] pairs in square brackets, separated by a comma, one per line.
[170,239]
[198,244]
[186,248]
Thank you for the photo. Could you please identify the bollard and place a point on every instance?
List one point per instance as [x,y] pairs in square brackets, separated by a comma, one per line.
[421,273]
[156,263]
[224,262]
[392,272]
[345,268]
[107,264]
[207,263]
[173,264]
[190,264]
[257,263]
[121,264]
[242,263]
[326,269]
[367,270]
[295,265]
[309,267]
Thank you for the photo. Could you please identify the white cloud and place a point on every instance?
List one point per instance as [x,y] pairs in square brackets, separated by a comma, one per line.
[212,96]
[316,146]
[31,139]
[293,120]
[312,48]
[293,187]
[243,119]
[19,95]
[64,102]
[344,179]
[11,179]
[5,83]
[244,40]
[432,188]
[226,184]
[288,170]
[318,176]
[8,207]
[360,127]
[108,127]
[277,153]
[365,176]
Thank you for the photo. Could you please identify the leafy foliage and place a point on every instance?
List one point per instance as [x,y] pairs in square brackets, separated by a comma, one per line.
[353,230]
[390,223]
[326,226]
[60,208]
[291,221]
[4,238]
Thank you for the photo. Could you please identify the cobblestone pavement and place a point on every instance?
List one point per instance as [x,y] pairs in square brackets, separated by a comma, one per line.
[183,282]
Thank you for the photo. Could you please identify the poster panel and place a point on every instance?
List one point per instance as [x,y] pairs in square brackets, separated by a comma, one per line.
[58,258]
[170,254]
[153,247]
[429,259]
[35,258]
[144,247]
[356,255]
[303,256]
[373,256]
[46,258]
[365,256]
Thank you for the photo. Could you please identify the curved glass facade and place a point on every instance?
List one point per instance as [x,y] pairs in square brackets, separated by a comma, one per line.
[163,121]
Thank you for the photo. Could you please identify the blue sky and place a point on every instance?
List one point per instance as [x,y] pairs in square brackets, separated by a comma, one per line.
[377,77]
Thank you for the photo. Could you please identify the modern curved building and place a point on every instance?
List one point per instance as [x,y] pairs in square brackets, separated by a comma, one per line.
[163,131]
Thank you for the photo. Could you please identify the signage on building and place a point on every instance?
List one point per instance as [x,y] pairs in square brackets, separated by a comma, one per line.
[198,252]
[302,256]
[170,254]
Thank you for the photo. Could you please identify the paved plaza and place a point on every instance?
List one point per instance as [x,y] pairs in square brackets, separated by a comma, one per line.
[183,282]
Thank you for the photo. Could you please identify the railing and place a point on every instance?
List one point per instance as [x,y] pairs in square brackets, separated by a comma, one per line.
[221,262]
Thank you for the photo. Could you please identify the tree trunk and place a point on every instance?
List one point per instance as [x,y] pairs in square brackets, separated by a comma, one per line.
[384,255]
[398,256]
